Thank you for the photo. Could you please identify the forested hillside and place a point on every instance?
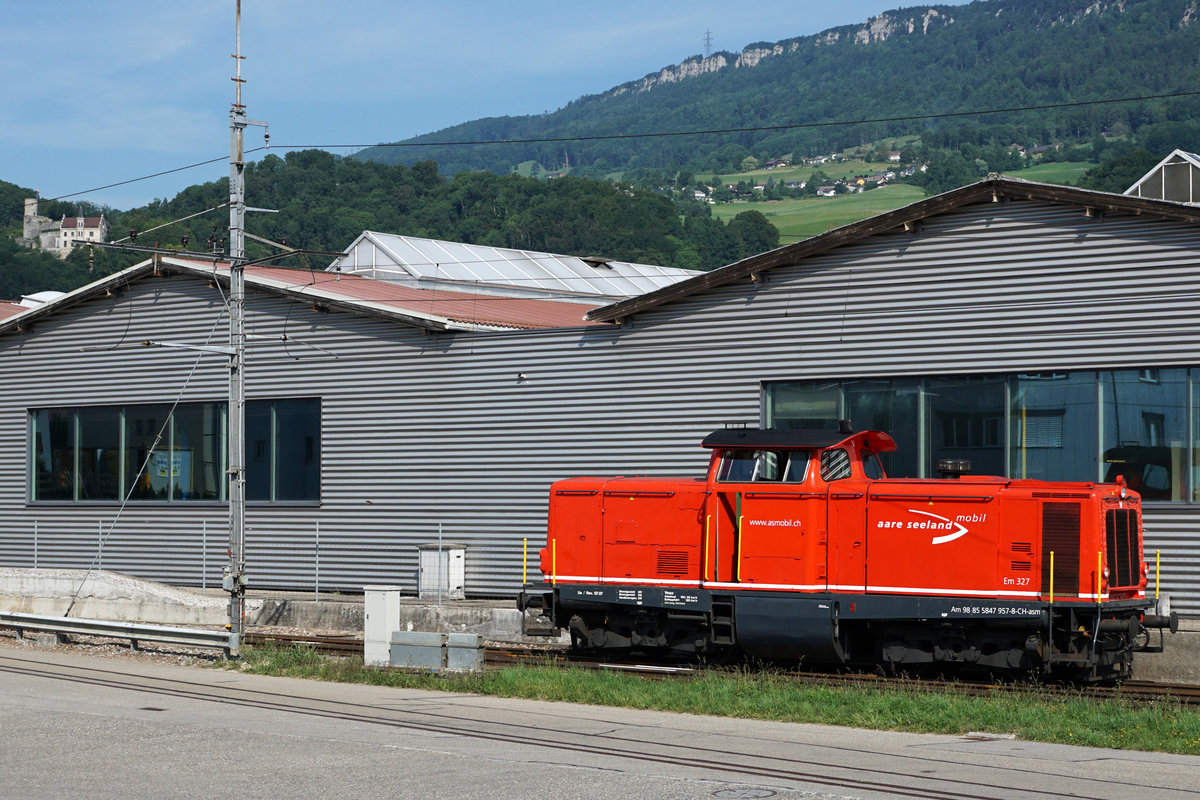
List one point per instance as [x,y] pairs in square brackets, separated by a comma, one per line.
[920,61]
[324,202]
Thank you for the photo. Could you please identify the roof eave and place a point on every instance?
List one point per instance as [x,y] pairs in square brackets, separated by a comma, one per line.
[209,271]
[325,299]
[102,286]
[995,188]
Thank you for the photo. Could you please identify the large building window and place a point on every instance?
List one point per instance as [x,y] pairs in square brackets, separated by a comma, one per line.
[1143,424]
[965,419]
[53,455]
[884,404]
[99,450]
[1052,429]
[282,450]
[151,453]
[1145,434]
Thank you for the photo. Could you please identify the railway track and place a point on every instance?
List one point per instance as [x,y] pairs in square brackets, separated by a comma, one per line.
[1138,691]
[332,645]
[495,657]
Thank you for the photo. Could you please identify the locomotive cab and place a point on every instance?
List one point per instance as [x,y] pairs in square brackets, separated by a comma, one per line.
[751,456]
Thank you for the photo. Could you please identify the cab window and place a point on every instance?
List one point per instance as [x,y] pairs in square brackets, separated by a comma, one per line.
[835,465]
[871,466]
[797,466]
[751,466]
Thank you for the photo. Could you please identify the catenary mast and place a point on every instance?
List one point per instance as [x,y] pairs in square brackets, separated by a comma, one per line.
[235,572]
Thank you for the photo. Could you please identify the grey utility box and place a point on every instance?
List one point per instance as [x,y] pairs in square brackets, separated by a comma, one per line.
[464,651]
[443,572]
[419,650]
[381,616]
[434,651]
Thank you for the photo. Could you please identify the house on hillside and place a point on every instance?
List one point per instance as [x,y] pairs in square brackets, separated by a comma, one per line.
[74,231]
[381,413]
[59,236]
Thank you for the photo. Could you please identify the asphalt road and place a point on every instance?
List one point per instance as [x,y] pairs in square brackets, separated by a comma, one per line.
[79,726]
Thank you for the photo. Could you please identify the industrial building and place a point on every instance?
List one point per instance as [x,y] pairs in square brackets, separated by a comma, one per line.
[1036,330]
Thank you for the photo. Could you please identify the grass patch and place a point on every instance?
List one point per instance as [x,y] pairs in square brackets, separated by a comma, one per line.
[800,218]
[1030,714]
[1066,173]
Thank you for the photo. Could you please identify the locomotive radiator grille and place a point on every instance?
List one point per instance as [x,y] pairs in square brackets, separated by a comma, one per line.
[1121,529]
[1060,535]
[672,562]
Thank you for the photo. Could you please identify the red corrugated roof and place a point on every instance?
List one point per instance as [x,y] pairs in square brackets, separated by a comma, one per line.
[458,307]
[10,309]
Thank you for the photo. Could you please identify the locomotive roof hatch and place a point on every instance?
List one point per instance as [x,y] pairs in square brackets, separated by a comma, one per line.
[769,438]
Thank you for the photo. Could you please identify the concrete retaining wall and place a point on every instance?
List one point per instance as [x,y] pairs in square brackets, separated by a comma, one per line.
[1180,660]
[108,595]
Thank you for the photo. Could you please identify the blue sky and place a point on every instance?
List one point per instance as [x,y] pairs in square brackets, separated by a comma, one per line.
[108,90]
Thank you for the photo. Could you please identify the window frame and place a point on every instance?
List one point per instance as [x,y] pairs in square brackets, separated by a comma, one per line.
[1168,402]
[170,434]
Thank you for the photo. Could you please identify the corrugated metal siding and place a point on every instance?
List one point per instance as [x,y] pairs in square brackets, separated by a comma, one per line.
[1172,534]
[421,430]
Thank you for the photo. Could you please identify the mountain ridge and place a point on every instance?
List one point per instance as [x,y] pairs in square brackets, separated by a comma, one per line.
[919,61]
[878,28]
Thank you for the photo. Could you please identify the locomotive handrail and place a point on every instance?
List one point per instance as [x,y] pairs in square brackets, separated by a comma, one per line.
[932,497]
[615,493]
[704,570]
[794,495]
[577,492]
[737,544]
[846,495]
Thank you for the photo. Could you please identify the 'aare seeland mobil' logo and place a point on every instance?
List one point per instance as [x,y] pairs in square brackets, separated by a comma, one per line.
[952,528]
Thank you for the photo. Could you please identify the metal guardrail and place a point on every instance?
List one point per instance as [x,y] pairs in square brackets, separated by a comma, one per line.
[134,632]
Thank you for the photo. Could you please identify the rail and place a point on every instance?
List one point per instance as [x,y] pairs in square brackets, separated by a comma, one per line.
[133,631]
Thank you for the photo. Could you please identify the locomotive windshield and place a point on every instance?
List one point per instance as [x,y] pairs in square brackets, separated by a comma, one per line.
[747,466]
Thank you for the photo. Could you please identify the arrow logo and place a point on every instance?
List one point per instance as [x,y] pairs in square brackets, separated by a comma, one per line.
[950,537]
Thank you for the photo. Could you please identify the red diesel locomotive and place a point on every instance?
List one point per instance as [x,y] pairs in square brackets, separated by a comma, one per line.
[797,546]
